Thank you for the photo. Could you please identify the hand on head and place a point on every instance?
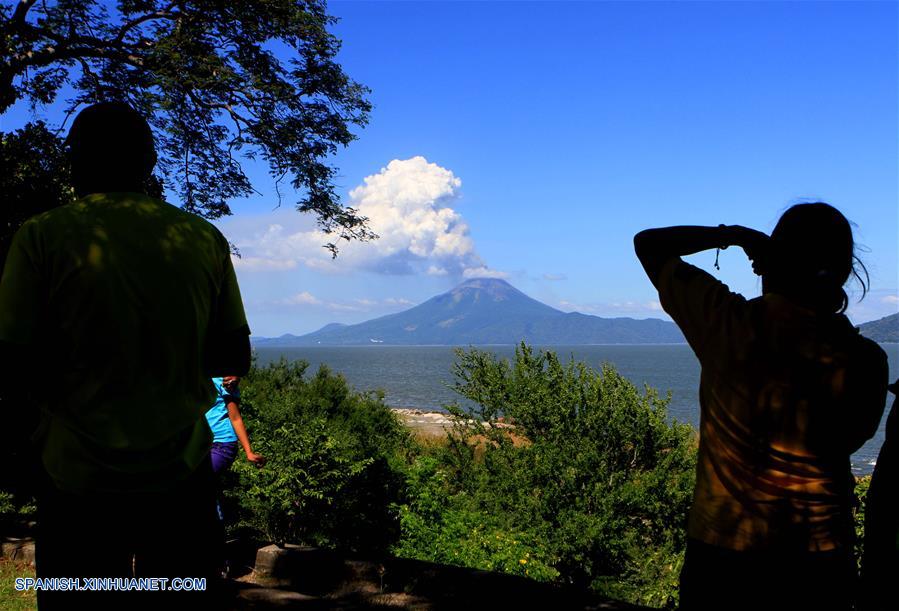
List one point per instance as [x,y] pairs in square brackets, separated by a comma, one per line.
[756,245]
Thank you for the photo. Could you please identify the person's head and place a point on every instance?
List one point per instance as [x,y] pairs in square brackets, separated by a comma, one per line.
[811,257]
[111,148]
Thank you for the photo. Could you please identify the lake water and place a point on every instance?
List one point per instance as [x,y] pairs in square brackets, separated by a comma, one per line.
[418,376]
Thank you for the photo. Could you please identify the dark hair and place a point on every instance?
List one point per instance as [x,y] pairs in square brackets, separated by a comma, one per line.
[813,255]
[111,142]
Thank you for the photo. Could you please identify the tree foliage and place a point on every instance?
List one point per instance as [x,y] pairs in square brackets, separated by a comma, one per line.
[211,77]
[558,472]
[334,461]
[33,178]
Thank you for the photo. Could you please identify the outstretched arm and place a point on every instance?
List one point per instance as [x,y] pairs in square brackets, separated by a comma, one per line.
[655,247]
[241,431]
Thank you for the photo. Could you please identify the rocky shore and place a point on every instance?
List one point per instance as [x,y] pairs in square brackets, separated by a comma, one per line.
[423,422]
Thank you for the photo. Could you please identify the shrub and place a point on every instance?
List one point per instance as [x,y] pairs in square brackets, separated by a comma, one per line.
[574,466]
[15,511]
[334,461]
[440,526]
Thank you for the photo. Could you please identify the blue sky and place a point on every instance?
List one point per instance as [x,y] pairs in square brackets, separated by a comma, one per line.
[531,140]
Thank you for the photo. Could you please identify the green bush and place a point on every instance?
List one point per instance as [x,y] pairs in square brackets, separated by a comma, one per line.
[14,508]
[335,459]
[557,472]
[438,525]
[18,510]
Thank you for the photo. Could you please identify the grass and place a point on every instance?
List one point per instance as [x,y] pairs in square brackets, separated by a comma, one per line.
[10,599]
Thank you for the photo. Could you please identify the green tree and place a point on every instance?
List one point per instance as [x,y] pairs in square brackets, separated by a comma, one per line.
[558,472]
[33,178]
[220,82]
[335,457]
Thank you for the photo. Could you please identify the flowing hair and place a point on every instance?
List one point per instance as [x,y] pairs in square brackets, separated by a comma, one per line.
[814,255]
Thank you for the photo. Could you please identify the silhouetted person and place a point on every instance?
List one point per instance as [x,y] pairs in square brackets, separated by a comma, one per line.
[116,310]
[788,391]
[880,558]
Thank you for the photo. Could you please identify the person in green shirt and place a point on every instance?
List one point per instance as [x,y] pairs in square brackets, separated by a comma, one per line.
[116,311]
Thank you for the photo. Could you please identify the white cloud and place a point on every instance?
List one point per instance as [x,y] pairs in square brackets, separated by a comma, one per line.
[255,264]
[482,272]
[393,301]
[555,277]
[409,204]
[890,299]
[304,298]
[345,307]
[615,308]
[569,306]
[357,305]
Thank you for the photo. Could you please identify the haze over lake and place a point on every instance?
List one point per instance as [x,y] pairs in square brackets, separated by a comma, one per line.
[418,376]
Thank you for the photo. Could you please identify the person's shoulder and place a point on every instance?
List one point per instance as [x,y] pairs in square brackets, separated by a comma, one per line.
[865,352]
[194,221]
[870,350]
[42,228]
[680,271]
[678,276]
[61,214]
[182,214]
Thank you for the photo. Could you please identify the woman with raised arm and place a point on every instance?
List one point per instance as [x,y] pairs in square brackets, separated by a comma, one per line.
[788,391]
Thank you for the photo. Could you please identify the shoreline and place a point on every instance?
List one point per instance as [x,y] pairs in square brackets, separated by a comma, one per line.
[424,422]
[432,423]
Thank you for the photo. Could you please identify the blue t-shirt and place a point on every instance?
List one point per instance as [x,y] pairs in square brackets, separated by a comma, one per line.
[217,416]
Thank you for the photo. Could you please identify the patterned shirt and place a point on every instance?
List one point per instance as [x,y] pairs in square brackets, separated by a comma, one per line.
[786,395]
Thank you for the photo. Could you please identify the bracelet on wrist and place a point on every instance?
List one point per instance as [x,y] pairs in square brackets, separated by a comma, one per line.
[723,244]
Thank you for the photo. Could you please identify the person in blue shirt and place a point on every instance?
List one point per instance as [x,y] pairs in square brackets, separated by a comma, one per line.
[227,426]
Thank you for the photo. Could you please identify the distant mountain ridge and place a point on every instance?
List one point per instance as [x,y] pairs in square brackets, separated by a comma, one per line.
[486,311]
[884,330]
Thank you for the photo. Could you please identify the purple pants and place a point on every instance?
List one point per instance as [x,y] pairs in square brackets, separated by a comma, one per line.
[223,454]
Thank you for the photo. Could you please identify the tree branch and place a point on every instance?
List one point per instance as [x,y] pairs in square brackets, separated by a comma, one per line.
[165,13]
[235,116]
[50,54]
[89,74]
[242,94]
[70,47]
[18,17]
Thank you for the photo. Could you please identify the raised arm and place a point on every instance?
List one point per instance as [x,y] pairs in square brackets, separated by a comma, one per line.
[655,247]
